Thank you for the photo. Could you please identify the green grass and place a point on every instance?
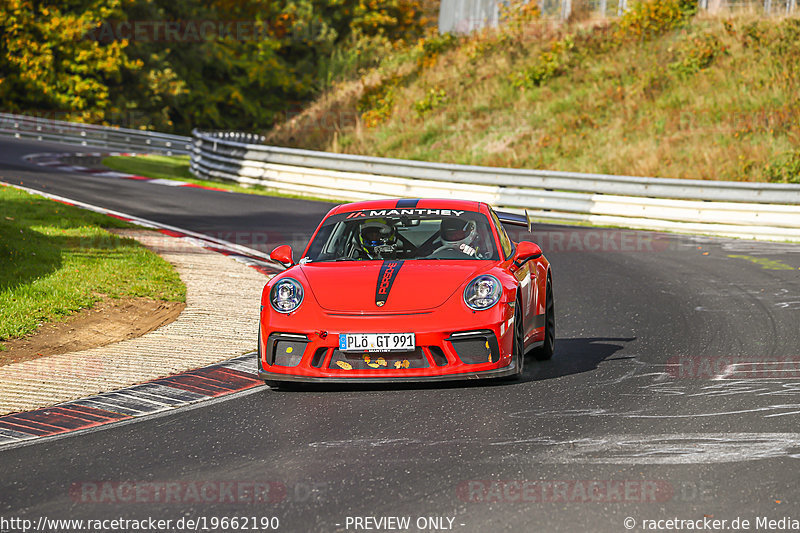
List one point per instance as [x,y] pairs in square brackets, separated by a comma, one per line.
[177,168]
[56,259]
[152,166]
[697,97]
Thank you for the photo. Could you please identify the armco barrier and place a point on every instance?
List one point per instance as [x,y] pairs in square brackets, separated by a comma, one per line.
[45,129]
[749,210]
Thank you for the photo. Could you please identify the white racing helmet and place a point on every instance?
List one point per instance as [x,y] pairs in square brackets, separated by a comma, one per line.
[456,232]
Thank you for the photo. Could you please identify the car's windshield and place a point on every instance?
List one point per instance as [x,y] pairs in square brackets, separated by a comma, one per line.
[395,234]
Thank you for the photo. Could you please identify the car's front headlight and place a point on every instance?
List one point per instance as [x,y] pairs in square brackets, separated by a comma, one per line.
[286,295]
[482,292]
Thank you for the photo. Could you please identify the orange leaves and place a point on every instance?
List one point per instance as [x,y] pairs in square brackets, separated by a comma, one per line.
[49,63]
[648,18]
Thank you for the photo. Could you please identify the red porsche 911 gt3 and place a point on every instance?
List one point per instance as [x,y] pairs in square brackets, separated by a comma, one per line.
[407,290]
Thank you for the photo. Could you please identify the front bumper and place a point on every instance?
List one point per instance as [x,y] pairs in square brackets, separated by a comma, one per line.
[460,348]
[486,374]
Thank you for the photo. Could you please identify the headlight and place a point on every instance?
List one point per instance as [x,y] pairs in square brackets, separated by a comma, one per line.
[482,292]
[286,295]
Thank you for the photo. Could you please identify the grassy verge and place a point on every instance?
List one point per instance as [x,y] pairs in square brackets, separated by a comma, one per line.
[152,166]
[56,259]
[177,168]
[659,92]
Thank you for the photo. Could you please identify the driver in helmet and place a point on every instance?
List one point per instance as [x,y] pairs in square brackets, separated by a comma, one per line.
[459,234]
[377,239]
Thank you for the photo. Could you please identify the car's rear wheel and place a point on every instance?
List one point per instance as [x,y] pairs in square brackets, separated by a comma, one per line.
[548,348]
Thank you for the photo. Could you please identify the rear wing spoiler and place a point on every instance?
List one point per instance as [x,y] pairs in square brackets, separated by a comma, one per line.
[515,219]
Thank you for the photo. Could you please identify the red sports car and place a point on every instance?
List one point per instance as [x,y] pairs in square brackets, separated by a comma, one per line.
[407,290]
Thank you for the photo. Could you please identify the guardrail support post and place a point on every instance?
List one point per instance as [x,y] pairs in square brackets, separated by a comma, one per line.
[566,9]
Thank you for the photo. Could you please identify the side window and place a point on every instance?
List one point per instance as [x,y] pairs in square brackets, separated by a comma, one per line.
[505,242]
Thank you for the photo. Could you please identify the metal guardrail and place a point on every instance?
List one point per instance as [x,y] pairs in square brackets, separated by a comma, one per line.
[751,210]
[44,129]
[465,16]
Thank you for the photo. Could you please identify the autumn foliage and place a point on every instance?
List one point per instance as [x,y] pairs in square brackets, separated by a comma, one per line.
[172,66]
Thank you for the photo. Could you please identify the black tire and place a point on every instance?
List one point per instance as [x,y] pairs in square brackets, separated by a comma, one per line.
[548,348]
[518,347]
[519,340]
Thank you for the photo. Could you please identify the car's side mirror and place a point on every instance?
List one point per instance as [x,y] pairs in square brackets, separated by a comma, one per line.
[525,252]
[283,254]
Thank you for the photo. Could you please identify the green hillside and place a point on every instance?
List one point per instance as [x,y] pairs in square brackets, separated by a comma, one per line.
[660,92]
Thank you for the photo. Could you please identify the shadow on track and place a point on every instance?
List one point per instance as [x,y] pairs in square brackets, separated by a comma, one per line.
[574,356]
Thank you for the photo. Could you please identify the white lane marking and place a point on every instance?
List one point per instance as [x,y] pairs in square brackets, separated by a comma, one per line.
[247,363]
[678,448]
[759,370]
[9,435]
[760,248]
[574,413]
[165,394]
[773,415]
[725,374]
[670,448]
[111,174]
[168,183]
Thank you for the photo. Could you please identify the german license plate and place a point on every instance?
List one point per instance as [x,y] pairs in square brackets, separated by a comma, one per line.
[376,342]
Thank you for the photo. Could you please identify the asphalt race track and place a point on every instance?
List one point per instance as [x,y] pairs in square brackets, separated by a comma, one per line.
[674,394]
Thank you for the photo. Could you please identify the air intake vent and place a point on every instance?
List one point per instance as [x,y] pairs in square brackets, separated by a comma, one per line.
[438,356]
[319,357]
[285,350]
[476,347]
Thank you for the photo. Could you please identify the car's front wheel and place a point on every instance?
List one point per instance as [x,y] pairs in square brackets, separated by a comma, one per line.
[548,348]
[519,340]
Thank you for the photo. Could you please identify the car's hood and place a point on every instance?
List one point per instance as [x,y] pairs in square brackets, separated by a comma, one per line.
[408,286]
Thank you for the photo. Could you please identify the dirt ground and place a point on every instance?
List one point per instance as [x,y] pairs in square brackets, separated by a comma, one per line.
[108,321]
